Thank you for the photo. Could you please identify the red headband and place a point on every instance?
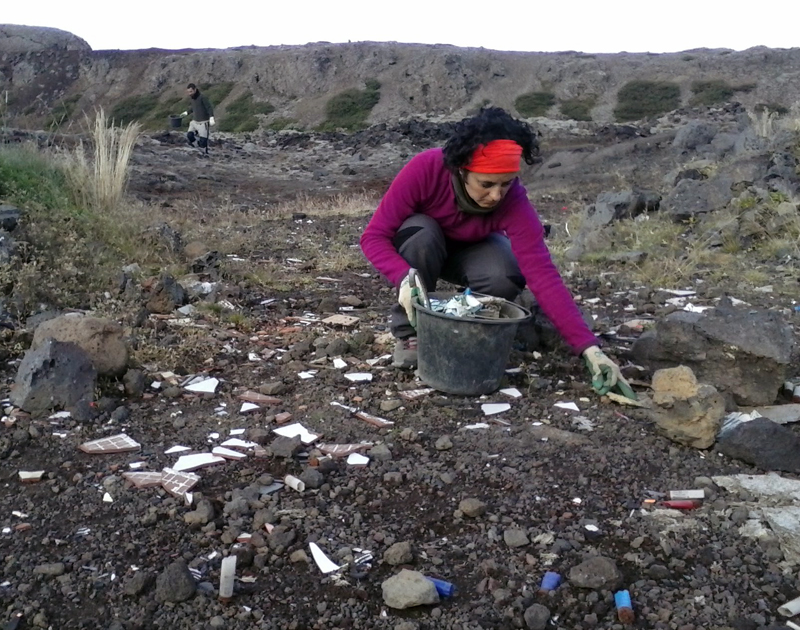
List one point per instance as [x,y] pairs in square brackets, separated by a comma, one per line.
[497,156]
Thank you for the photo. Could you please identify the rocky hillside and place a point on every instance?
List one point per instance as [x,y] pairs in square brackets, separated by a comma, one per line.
[294,85]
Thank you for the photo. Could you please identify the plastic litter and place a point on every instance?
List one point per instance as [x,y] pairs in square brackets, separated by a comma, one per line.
[550,582]
[467,305]
[227,574]
[622,600]
[445,589]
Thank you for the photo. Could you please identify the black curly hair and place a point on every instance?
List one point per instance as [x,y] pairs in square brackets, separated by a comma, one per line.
[491,123]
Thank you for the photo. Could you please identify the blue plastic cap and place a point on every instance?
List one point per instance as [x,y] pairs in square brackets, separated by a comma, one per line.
[623,599]
[445,589]
[550,581]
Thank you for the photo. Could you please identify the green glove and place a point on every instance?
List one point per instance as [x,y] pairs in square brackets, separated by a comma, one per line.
[605,373]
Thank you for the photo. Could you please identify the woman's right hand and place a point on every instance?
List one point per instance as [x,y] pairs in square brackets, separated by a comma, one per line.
[406,300]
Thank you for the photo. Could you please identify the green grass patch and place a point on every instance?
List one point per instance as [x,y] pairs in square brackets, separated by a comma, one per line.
[642,99]
[216,92]
[534,103]
[166,107]
[577,109]
[134,108]
[240,115]
[714,92]
[351,108]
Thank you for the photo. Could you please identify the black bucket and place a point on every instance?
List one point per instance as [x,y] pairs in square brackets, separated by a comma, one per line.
[465,355]
[175,122]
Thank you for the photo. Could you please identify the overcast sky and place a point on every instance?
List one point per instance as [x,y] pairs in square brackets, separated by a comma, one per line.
[604,26]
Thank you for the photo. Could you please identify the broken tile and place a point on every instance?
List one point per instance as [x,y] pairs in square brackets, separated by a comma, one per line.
[325,564]
[357,459]
[238,443]
[143,479]
[413,394]
[259,399]
[570,406]
[136,465]
[247,406]
[237,431]
[107,498]
[477,425]
[373,420]
[511,391]
[340,450]
[339,364]
[114,444]
[493,408]
[204,386]
[227,453]
[188,463]
[283,417]
[359,377]
[178,483]
[30,476]
[341,320]
[176,449]
[306,375]
[213,435]
[297,429]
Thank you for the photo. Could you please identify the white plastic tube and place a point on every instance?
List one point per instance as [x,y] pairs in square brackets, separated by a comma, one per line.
[791,625]
[294,483]
[226,576]
[790,609]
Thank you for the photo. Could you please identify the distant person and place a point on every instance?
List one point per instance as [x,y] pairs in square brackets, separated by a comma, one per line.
[202,118]
[461,214]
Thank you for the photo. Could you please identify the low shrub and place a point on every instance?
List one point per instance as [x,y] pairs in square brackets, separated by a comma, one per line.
[716,91]
[534,103]
[62,112]
[577,109]
[240,115]
[641,99]
[216,92]
[133,109]
[350,109]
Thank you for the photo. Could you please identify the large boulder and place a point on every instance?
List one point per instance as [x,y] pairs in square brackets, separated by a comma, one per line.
[684,410]
[693,135]
[743,352]
[56,375]
[100,338]
[16,38]
[692,197]
[408,589]
[763,443]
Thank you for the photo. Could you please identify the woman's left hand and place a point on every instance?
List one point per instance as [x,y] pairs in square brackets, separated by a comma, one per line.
[605,373]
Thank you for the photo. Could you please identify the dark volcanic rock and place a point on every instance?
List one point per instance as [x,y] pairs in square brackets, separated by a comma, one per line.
[741,351]
[175,584]
[54,375]
[763,443]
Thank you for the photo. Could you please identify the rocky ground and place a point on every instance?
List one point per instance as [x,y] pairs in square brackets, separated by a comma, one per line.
[488,508]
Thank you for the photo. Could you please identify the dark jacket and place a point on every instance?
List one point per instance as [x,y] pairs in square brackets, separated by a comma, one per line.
[201,107]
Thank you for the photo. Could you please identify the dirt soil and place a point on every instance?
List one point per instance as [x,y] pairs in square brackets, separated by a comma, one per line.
[573,482]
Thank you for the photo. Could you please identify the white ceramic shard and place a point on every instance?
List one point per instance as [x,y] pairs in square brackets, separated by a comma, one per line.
[493,408]
[30,476]
[227,453]
[107,498]
[339,364]
[237,431]
[178,483]
[187,463]
[247,406]
[357,459]
[238,443]
[143,479]
[305,375]
[511,391]
[477,425]
[297,429]
[358,377]
[176,449]
[569,406]
[206,386]
[325,564]
[113,444]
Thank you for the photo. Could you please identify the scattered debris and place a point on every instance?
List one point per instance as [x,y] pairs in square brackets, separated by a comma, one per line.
[27,476]
[622,600]
[188,463]
[114,444]
[359,377]
[325,564]
[297,430]
[490,409]
[294,483]
[227,573]
[201,385]
[341,320]
[569,406]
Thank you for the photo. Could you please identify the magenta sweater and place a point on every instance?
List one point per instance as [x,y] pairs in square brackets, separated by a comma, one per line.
[424,186]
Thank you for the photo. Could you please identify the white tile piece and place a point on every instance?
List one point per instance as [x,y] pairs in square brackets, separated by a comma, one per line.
[569,406]
[107,498]
[30,476]
[305,375]
[339,364]
[297,429]
[246,406]
[237,431]
[358,377]
[187,463]
[176,449]
[137,465]
[238,443]
[516,370]
[357,459]
[120,443]
[511,391]
[252,356]
[325,564]
[477,425]
[493,408]
[178,483]
[227,453]
[213,435]
[206,386]
[60,415]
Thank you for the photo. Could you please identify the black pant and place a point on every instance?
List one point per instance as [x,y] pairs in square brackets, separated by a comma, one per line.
[488,266]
